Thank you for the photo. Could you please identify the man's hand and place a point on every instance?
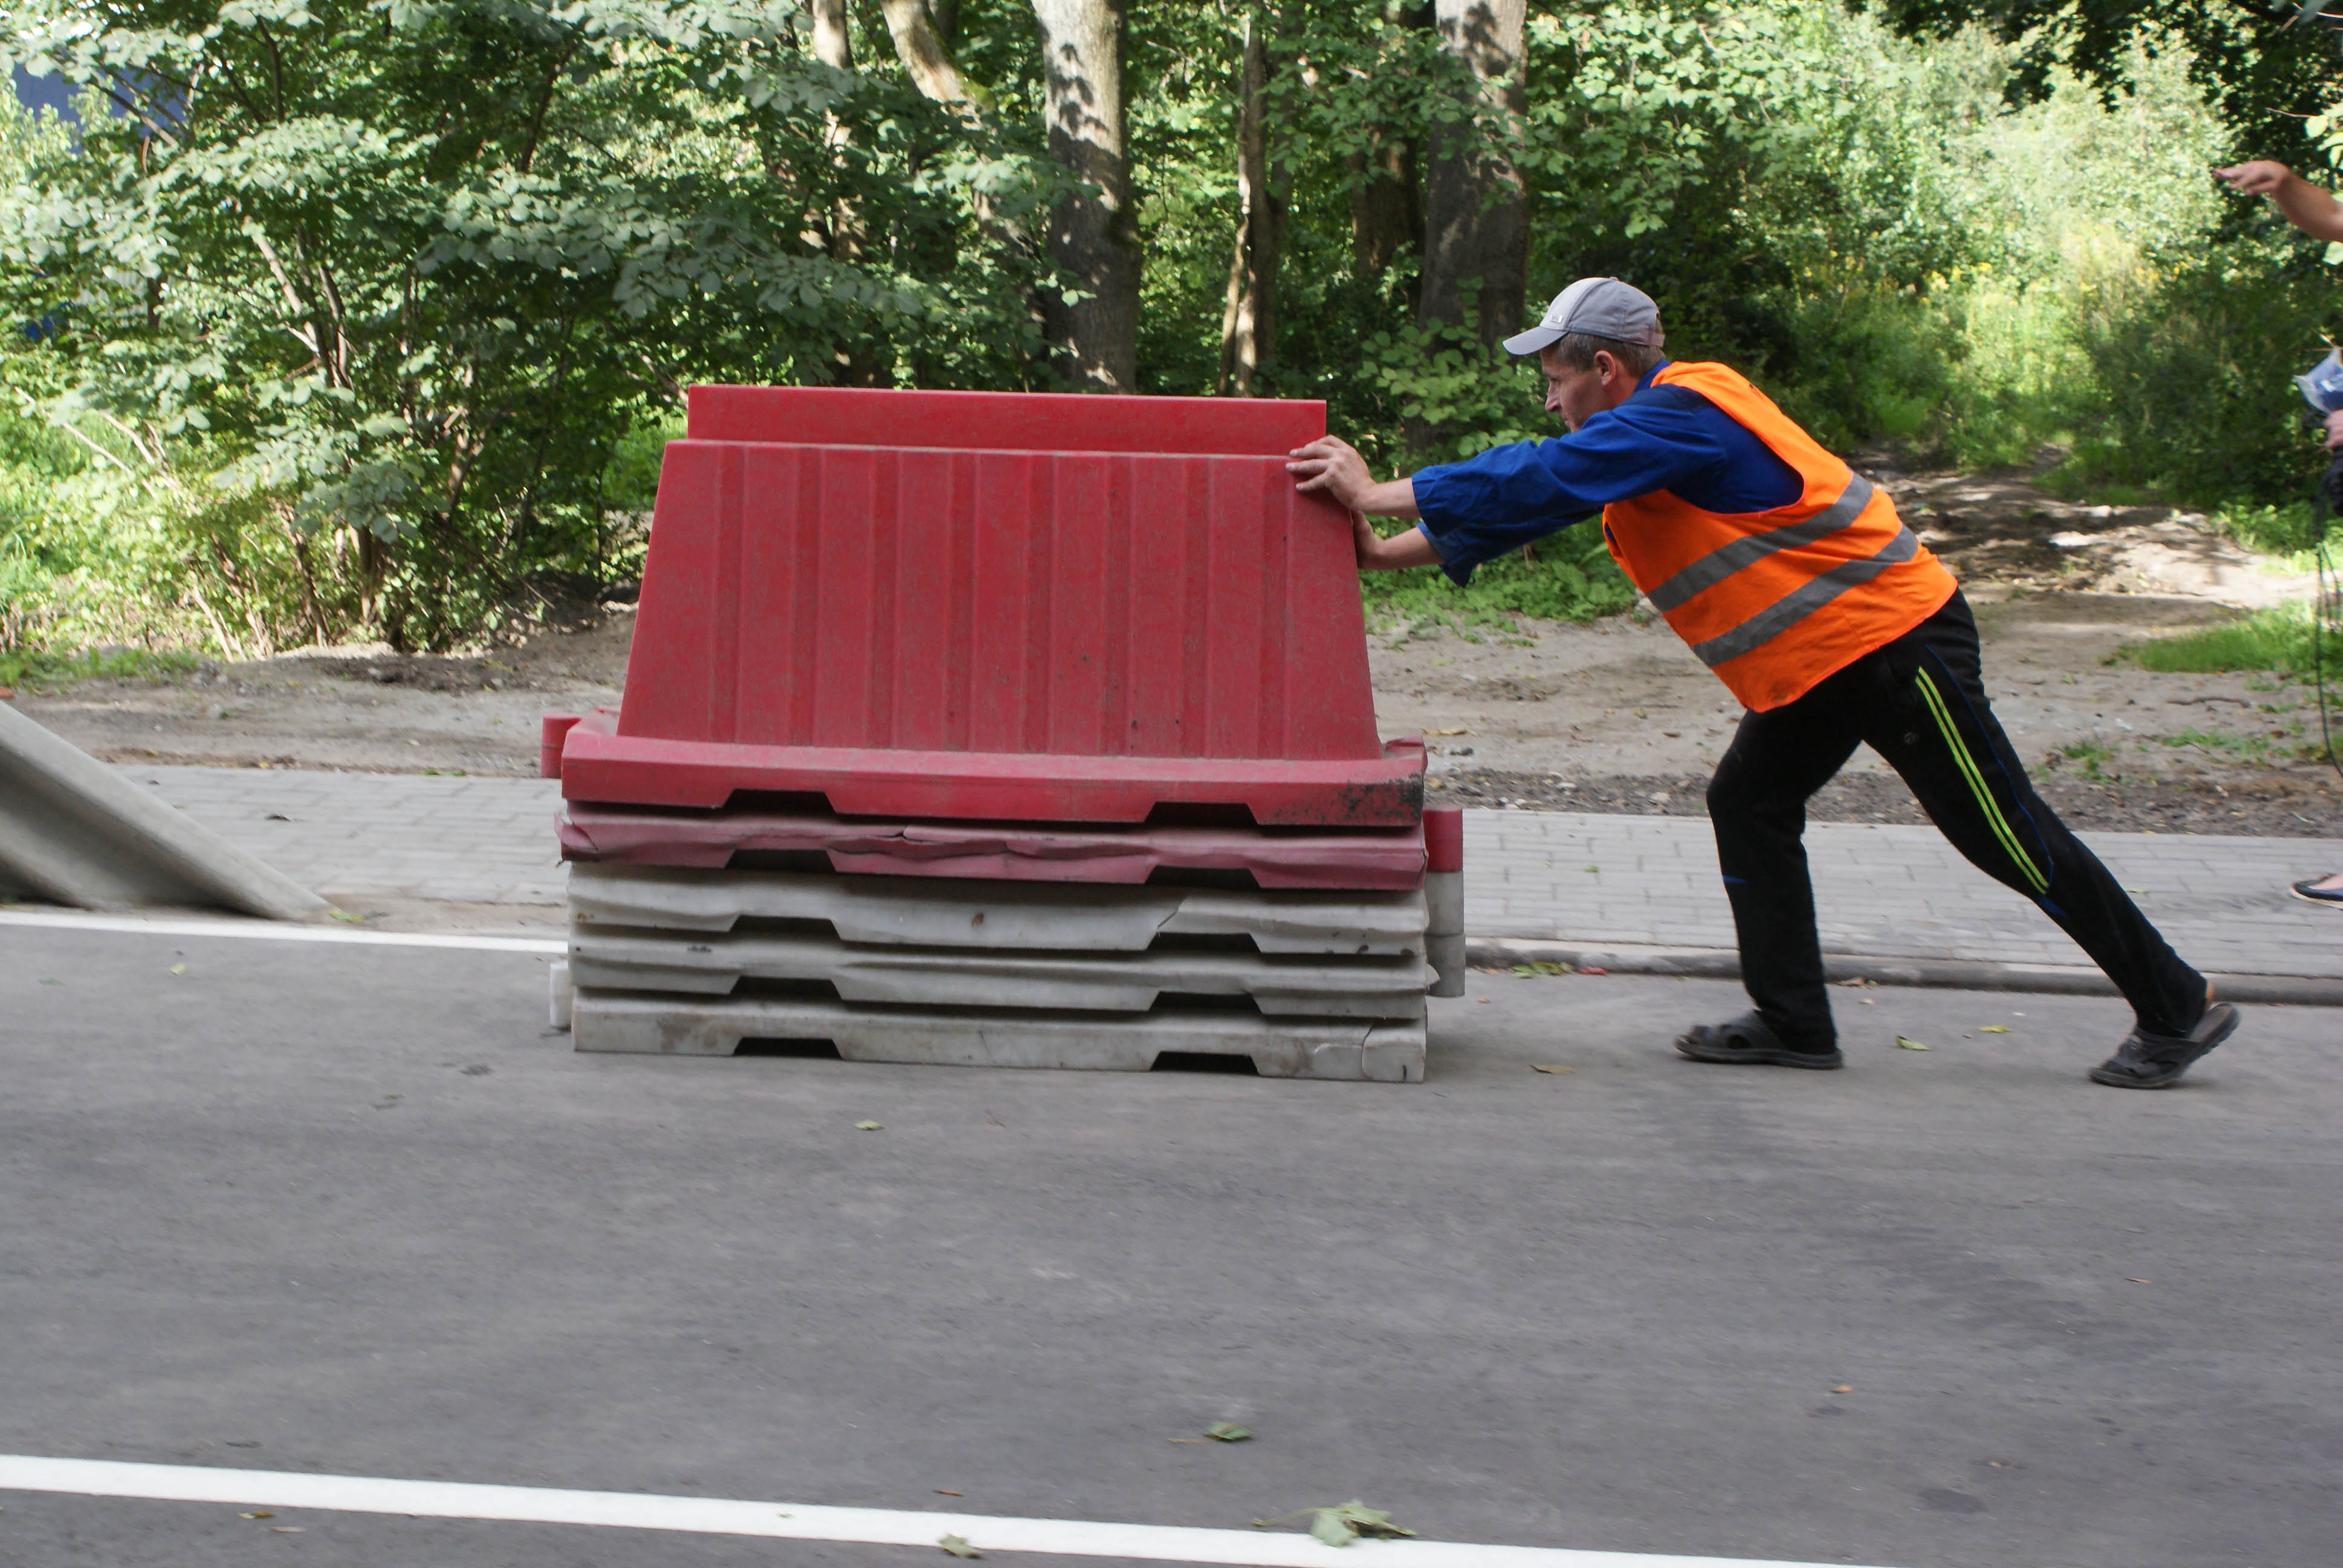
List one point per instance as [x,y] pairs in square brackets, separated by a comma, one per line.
[1333,466]
[2335,431]
[2308,207]
[2260,177]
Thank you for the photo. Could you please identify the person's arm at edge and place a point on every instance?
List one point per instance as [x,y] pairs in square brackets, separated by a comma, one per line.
[1333,467]
[2311,210]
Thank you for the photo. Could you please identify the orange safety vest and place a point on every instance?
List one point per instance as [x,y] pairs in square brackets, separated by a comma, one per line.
[1775,602]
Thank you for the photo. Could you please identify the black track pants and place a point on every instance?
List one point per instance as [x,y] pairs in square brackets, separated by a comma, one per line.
[1919,703]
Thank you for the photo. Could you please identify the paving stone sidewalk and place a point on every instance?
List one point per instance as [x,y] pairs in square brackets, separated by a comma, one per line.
[1564,876]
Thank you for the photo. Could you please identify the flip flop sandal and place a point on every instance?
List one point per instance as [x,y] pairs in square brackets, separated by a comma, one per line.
[1750,1041]
[2311,892]
[2147,1061]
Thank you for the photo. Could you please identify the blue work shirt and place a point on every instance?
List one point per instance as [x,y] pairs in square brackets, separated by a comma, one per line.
[1660,439]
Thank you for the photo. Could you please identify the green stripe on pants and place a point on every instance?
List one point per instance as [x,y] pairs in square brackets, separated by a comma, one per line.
[1969,771]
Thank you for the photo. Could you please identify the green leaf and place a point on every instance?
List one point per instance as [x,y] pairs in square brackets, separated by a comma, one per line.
[1227,1431]
[1343,1523]
[1909,1044]
[957,1547]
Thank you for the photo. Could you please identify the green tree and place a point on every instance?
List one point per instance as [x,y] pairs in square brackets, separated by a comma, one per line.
[406,271]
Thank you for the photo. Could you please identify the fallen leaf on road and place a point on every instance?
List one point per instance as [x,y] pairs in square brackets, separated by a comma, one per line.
[286,1529]
[1591,970]
[345,915]
[178,969]
[1227,1431]
[1448,732]
[1844,1388]
[1993,1028]
[1340,1526]
[958,1547]
[869,1127]
[1549,1067]
[946,1492]
[258,1513]
[1909,1044]
[2129,1280]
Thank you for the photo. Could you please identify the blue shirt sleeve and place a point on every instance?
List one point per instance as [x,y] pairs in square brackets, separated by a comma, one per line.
[1664,438]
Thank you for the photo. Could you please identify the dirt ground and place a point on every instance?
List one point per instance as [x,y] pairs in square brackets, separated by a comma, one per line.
[1612,717]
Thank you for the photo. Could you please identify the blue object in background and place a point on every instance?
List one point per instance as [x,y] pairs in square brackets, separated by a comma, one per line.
[2322,385]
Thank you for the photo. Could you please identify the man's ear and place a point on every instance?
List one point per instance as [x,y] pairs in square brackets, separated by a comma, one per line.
[1606,366]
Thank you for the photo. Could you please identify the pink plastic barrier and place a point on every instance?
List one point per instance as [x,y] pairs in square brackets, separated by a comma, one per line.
[1363,860]
[1002,607]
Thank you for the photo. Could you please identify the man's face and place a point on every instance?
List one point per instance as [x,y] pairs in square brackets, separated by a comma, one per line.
[1575,395]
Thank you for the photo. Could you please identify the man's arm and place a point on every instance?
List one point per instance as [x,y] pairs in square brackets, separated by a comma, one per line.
[2308,208]
[1333,468]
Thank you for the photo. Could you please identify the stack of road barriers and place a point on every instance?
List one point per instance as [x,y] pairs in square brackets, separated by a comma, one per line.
[1001,729]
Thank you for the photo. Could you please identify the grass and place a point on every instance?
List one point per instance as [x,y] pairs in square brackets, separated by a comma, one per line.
[2279,638]
[37,669]
[2090,754]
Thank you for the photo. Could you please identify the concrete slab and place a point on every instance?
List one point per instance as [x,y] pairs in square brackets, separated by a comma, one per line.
[1348,1048]
[271,1212]
[937,911]
[708,964]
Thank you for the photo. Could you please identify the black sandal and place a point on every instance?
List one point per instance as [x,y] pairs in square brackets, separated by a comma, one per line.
[2147,1061]
[1750,1041]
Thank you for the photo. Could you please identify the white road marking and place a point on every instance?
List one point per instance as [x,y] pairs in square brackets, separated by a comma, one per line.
[278,931]
[792,1521]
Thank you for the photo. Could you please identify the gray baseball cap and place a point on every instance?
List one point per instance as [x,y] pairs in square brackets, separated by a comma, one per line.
[1602,306]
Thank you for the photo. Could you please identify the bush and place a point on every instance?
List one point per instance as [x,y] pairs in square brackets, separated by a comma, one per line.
[2193,370]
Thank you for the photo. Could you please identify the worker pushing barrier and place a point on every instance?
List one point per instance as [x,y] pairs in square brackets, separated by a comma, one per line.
[1007,729]
[1792,578]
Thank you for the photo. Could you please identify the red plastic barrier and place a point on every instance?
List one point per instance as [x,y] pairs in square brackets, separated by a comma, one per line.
[1443,838]
[1001,421]
[1078,635]
[1383,860]
[552,731]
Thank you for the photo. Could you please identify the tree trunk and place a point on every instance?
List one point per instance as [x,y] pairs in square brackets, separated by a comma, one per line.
[1249,324]
[1386,205]
[831,45]
[920,43]
[1475,233]
[834,47]
[1091,242]
[1386,195]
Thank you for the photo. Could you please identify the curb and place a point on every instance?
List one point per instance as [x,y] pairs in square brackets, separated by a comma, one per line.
[1954,974]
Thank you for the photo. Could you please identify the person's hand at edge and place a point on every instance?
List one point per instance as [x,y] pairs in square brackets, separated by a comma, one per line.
[2255,176]
[2311,210]
[2335,431]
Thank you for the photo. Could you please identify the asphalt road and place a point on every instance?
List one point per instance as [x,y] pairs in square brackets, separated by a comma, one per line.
[352,1209]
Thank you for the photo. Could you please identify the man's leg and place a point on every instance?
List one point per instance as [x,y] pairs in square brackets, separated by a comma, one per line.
[1940,734]
[1757,807]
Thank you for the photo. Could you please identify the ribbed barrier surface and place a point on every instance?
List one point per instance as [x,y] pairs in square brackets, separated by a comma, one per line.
[908,604]
[1359,858]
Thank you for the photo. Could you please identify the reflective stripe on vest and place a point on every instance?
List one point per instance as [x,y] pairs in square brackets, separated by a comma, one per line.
[1776,600]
